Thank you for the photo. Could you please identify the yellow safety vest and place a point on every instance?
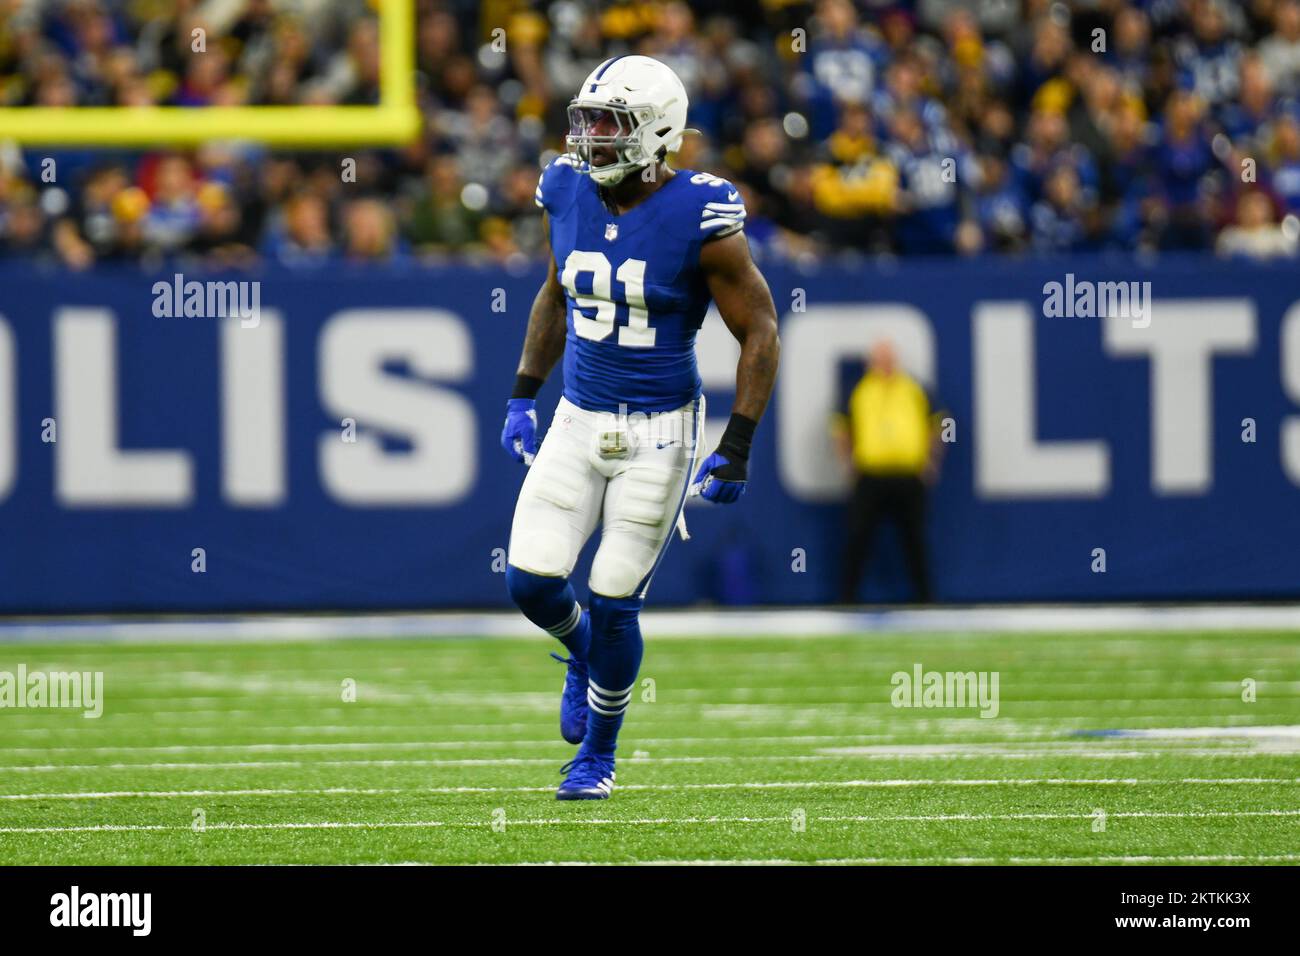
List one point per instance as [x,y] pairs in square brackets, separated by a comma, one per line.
[889,418]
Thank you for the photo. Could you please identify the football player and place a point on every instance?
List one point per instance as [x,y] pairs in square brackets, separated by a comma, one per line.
[638,251]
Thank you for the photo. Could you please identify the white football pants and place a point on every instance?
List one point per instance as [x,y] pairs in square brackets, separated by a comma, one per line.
[634,485]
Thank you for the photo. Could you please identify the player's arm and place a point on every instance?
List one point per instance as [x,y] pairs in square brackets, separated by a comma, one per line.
[543,346]
[544,340]
[745,304]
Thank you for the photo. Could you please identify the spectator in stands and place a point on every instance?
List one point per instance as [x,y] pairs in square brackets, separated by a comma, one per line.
[370,234]
[1057,220]
[1000,207]
[1154,126]
[302,237]
[1256,234]
[1183,161]
[173,215]
[24,224]
[842,66]
[1280,50]
[1209,59]
[441,221]
[854,188]
[1284,162]
[1126,193]
[1130,49]
[933,171]
[1243,119]
[220,237]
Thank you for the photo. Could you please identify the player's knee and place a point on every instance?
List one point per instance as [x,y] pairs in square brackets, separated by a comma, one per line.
[611,617]
[615,575]
[532,591]
[542,552]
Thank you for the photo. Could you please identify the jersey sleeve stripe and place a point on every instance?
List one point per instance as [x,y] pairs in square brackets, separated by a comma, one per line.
[716,223]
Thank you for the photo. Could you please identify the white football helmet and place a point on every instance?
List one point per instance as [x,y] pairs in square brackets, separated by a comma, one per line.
[635,106]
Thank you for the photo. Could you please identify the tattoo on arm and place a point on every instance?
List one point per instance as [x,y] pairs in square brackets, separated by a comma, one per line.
[759,353]
[544,340]
[746,307]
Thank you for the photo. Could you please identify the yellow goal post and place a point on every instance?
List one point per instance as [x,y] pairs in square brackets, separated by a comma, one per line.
[395,121]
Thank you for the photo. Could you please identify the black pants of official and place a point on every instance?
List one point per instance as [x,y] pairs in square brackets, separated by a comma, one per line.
[900,498]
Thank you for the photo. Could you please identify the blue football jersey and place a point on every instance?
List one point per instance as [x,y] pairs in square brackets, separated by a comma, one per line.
[633,285]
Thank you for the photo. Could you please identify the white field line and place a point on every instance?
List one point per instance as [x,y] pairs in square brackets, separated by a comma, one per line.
[1118,685]
[295,729]
[497,740]
[842,755]
[901,722]
[293,683]
[919,861]
[294,680]
[346,745]
[709,707]
[224,717]
[1046,739]
[1029,738]
[774,622]
[875,696]
[752,785]
[904,718]
[715,705]
[650,821]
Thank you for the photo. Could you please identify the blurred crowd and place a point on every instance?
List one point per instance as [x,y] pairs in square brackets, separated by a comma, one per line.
[910,127]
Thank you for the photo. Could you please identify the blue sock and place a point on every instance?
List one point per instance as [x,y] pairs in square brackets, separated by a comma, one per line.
[613,663]
[551,604]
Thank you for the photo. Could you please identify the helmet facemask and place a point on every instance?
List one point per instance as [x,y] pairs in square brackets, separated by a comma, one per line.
[611,126]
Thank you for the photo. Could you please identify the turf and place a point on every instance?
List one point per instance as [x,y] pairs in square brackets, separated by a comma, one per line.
[759,749]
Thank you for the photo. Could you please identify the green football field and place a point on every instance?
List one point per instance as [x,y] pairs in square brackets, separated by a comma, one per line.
[758,749]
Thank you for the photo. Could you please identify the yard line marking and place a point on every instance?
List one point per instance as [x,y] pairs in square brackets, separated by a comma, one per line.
[846,694]
[756,785]
[971,752]
[148,827]
[1047,620]
[266,747]
[915,860]
[450,744]
[433,744]
[263,792]
[1043,737]
[711,707]
[847,753]
[805,714]
[649,821]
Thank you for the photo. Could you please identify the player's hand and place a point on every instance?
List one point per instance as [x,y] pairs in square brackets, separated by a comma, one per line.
[720,480]
[519,436]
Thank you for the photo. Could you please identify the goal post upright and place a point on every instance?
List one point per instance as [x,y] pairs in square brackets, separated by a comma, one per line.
[395,121]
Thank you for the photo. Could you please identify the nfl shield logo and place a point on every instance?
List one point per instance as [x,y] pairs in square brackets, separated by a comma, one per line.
[611,231]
